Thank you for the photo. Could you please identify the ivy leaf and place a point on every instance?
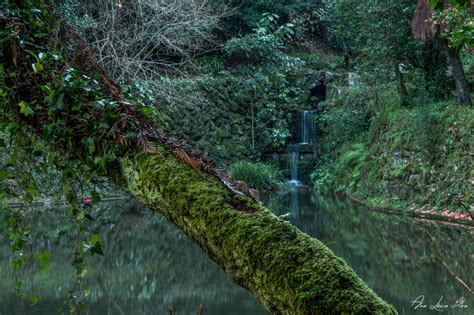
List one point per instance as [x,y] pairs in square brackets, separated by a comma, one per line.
[97,250]
[3,175]
[148,112]
[37,67]
[89,143]
[43,259]
[25,108]
[94,246]
[34,299]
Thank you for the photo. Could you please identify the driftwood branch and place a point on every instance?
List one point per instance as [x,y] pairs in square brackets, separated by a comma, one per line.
[443,262]
[466,209]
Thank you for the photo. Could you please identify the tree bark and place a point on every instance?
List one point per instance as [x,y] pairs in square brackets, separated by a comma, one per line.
[462,86]
[290,272]
[402,89]
[287,270]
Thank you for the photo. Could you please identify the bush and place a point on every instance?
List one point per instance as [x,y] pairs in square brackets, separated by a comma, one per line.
[267,40]
[349,119]
[257,175]
[139,39]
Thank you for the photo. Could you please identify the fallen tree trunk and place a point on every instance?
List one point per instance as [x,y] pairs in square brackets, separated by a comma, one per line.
[287,270]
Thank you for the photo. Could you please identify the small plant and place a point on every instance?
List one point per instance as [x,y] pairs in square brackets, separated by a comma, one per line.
[257,175]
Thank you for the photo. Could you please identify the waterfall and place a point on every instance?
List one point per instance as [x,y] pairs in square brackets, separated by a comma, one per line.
[304,126]
[307,127]
[294,156]
[306,136]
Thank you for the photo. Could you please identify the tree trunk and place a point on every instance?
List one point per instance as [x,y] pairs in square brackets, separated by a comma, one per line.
[253,119]
[287,270]
[402,89]
[290,272]
[462,86]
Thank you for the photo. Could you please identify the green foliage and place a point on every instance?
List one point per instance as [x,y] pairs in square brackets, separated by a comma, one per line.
[231,114]
[257,175]
[456,22]
[437,84]
[416,155]
[351,119]
[355,156]
[243,237]
[249,12]
[428,126]
[56,95]
[376,39]
[266,41]
[345,173]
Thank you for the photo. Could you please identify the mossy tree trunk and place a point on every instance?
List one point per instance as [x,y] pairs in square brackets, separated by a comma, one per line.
[287,270]
[402,89]
[290,272]
[462,87]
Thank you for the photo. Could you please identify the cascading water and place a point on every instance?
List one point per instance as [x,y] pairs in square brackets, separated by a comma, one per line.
[307,135]
[307,127]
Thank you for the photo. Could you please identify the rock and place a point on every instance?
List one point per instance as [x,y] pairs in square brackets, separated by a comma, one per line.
[328,77]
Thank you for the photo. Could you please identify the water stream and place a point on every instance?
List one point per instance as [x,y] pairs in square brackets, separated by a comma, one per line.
[150,264]
[307,122]
[306,136]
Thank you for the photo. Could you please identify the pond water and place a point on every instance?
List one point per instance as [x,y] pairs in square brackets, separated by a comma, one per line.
[149,264]
[391,254]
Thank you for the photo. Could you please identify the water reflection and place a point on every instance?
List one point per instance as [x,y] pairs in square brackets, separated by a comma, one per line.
[392,254]
[150,264]
[295,206]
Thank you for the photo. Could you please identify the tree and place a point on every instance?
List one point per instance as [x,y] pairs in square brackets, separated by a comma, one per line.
[67,100]
[452,36]
[377,36]
[140,39]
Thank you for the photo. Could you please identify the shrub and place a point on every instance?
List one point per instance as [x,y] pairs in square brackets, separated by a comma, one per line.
[139,39]
[267,40]
[257,175]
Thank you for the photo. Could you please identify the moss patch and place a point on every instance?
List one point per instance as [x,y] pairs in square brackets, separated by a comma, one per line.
[290,272]
[420,156]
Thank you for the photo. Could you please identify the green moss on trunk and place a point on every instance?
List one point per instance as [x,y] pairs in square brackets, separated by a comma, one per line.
[290,272]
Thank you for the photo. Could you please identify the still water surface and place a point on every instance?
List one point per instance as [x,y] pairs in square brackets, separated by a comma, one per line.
[149,264]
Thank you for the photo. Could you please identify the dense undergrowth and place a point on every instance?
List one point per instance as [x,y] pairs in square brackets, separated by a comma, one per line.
[398,156]
[257,175]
